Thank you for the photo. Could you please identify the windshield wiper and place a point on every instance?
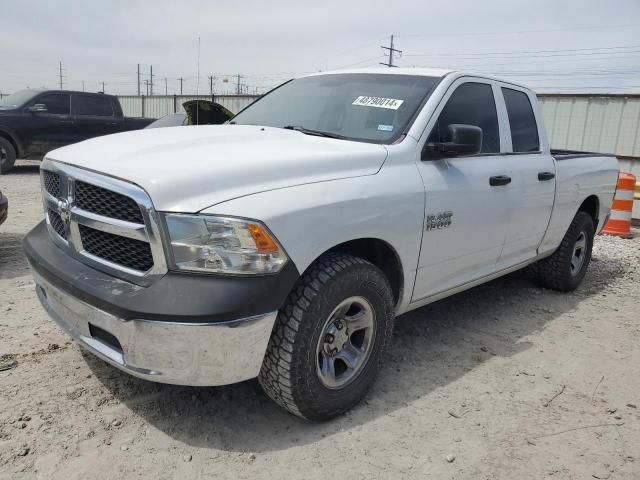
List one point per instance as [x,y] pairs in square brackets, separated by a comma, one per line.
[319,133]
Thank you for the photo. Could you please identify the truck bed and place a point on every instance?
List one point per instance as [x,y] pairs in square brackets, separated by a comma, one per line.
[567,154]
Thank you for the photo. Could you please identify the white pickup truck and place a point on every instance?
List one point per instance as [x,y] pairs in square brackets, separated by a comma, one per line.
[283,244]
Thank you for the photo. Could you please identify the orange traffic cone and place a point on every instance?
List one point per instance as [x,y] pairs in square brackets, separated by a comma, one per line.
[619,223]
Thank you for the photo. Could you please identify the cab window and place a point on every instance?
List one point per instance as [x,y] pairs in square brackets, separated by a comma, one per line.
[92,105]
[524,130]
[471,103]
[57,103]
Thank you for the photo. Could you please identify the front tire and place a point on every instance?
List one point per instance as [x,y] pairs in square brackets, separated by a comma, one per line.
[329,338]
[7,155]
[566,268]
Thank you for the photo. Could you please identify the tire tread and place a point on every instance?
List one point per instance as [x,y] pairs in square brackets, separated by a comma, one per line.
[277,376]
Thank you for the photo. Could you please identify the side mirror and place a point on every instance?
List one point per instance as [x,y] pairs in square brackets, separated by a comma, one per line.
[464,140]
[37,108]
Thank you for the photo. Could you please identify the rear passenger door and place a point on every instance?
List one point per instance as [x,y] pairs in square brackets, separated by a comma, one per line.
[466,216]
[532,172]
[94,116]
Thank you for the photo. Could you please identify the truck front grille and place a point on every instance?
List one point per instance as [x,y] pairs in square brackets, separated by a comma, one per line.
[124,251]
[104,222]
[52,183]
[107,203]
[56,222]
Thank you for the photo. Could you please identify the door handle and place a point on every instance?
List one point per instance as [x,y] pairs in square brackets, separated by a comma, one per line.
[499,180]
[544,176]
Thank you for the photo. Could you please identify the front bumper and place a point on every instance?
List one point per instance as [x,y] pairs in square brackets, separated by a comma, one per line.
[202,354]
[182,329]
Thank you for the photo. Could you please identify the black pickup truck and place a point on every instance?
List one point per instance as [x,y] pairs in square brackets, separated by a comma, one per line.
[33,122]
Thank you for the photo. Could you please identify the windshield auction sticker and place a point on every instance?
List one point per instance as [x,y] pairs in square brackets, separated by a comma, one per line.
[379,102]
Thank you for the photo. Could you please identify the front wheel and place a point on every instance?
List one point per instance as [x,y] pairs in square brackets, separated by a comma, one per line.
[329,338]
[566,268]
[7,155]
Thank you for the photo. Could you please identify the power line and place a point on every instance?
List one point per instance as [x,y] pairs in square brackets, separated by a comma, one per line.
[361,62]
[514,56]
[392,51]
[519,52]
[520,32]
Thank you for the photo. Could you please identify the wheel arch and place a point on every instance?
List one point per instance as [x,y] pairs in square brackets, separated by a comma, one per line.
[6,134]
[591,205]
[380,253]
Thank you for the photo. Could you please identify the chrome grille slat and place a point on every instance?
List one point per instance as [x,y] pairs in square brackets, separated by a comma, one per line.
[111,225]
[120,235]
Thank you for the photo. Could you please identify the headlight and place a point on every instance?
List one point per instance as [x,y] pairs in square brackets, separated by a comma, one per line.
[206,243]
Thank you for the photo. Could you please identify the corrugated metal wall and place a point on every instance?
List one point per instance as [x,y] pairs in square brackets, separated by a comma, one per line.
[607,124]
[160,105]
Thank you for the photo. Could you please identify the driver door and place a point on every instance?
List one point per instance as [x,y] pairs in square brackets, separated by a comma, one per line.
[466,208]
[50,128]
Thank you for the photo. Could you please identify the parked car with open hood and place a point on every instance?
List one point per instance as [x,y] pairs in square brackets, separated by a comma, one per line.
[197,112]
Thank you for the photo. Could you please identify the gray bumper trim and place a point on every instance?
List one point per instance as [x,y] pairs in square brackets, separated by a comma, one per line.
[199,354]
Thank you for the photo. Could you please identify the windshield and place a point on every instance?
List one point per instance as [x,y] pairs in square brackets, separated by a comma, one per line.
[376,108]
[17,99]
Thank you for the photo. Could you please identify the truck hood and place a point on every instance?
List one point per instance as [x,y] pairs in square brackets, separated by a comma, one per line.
[187,169]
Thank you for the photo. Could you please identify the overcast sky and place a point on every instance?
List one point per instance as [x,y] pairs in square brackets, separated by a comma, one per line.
[555,45]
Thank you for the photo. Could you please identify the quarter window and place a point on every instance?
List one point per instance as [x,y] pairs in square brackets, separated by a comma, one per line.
[57,103]
[471,104]
[524,130]
[92,105]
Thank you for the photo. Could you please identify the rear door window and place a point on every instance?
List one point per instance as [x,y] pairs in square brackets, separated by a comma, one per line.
[524,130]
[57,103]
[471,103]
[92,105]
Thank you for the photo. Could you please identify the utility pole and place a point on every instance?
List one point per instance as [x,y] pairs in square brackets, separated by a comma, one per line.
[60,73]
[238,85]
[146,84]
[211,77]
[391,52]
[166,88]
[102,87]
[151,80]
[181,80]
[83,85]
[138,79]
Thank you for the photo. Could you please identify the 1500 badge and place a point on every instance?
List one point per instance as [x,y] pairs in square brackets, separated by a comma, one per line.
[438,220]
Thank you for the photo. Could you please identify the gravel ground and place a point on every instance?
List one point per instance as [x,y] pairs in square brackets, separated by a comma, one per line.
[505,381]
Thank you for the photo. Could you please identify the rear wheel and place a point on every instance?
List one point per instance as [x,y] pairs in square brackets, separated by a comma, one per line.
[7,155]
[329,338]
[566,268]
